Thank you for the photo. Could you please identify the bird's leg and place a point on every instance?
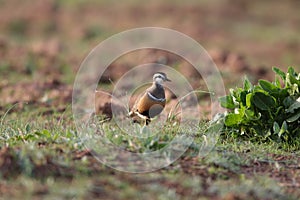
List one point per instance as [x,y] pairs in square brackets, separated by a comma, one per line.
[147,121]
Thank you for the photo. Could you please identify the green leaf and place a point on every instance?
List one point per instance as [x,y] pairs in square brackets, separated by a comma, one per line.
[267,86]
[236,94]
[288,101]
[276,128]
[291,71]
[30,137]
[293,118]
[27,128]
[236,118]
[291,78]
[39,134]
[248,100]
[227,102]
[263,101]
[283,93]
[247,84]
[279,73]
[284,128]
[243,98]
[232,119]
[277,82]
[294,106]
[46,133]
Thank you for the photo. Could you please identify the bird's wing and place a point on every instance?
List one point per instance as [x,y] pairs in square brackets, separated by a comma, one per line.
[135,105]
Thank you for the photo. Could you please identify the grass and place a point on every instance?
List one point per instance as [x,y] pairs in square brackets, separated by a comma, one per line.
[43,156]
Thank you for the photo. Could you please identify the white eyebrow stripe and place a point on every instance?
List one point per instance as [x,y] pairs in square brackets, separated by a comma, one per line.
[155,98]
[158,76]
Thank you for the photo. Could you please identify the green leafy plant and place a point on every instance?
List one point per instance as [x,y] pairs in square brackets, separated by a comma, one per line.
[269,110]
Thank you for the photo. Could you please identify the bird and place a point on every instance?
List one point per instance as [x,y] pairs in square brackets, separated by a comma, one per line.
[152,101]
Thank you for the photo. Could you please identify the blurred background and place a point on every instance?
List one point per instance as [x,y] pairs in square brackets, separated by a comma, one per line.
[42,43]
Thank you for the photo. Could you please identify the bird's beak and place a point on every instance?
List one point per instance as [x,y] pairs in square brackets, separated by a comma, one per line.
[168,80]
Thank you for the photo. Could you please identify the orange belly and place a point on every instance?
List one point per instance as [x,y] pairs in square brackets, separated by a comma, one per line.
[149,107]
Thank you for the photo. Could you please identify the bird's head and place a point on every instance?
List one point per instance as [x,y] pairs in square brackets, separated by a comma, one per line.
[160,78]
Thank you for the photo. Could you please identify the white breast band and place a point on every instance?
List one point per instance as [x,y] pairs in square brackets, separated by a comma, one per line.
[155,98]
